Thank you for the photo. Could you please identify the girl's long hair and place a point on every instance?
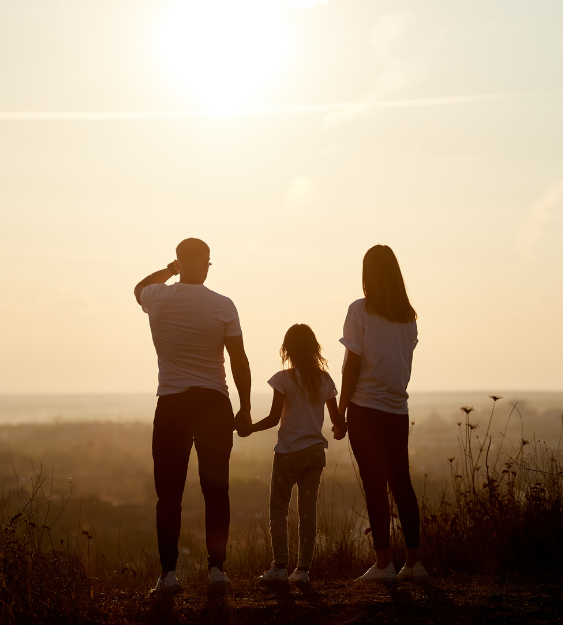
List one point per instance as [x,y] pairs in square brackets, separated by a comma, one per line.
[302,352]
[384,287]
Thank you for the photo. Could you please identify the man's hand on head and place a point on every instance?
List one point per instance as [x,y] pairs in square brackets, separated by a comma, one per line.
[173,267]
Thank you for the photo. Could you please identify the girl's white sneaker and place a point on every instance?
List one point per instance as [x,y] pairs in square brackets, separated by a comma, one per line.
[168,584]
[299,577]
[274,575]
[415,573]
[383,575]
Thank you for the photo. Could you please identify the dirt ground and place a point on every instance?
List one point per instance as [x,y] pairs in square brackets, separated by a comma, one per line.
[455,599]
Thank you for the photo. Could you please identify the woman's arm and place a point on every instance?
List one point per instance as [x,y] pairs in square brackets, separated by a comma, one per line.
[270,421]
[350,377]
[339,425]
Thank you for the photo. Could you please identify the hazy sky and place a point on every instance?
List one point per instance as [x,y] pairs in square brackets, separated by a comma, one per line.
[291,136]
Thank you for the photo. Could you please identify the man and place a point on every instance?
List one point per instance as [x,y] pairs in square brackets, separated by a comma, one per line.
[190,326]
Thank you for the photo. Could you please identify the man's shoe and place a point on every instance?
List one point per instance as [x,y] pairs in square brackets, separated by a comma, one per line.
[216,576]
[167,585]
[274,575]
[382,575]
[415,573]
[299,577]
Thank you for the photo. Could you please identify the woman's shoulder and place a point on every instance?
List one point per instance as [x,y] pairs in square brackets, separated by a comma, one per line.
[357,307]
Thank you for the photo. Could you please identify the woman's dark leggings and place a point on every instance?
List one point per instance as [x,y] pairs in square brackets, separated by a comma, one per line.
[379,441]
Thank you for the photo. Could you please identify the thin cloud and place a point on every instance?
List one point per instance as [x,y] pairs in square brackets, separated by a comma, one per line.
[351,107]
[403,55]
[395,69]
[304,4]
[533,227]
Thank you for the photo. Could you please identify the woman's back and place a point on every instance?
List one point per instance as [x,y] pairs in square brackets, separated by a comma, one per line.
[386,349]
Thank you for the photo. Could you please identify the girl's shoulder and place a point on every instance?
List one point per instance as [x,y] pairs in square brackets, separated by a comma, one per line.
[285,376]
[288,373]
[330,386]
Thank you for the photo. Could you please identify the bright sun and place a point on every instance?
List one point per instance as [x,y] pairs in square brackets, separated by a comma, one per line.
[223,51]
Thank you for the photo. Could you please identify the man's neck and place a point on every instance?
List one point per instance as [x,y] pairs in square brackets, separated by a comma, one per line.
[191,279]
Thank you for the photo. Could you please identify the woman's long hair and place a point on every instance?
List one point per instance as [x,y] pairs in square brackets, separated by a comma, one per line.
[384,287]
[302,352]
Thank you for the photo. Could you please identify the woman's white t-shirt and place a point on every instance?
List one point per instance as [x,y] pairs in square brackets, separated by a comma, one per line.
[301,421]
[386,349]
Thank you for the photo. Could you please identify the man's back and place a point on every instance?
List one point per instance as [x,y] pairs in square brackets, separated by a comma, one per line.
[189,323]
[191,326]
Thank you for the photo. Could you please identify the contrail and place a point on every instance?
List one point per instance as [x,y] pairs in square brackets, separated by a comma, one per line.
[357,106]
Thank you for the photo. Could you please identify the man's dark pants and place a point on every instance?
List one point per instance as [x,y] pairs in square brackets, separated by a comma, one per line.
[203,417]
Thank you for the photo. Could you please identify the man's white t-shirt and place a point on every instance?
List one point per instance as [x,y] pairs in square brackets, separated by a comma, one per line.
[386,349]
[301,421]
[189,323]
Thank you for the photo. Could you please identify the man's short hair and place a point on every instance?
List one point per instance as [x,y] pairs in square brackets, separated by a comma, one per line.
[191,249]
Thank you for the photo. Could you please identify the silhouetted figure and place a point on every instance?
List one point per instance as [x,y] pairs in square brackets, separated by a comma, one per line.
[300,394]
[380,335]
[191,325]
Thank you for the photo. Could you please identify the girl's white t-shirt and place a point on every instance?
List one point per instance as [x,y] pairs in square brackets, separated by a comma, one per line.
[301,421]
[386,349]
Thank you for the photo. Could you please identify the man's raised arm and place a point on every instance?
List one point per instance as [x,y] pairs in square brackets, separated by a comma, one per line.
[241,375]
[158,277]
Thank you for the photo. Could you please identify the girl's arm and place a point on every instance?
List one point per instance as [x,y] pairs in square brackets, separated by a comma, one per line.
[350,377]
[339,425]
[270,421]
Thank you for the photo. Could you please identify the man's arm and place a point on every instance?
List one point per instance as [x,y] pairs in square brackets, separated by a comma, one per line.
[241,374]
[158,277]
[350,377]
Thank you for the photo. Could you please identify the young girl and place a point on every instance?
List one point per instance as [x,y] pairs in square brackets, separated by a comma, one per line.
[300,393]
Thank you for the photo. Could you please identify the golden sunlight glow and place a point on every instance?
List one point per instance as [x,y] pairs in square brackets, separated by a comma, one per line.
[222,51]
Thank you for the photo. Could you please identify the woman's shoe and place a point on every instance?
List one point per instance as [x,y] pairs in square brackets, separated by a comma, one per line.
[383,575]
[274,575]
[415,573]
[216,576]
[299,577]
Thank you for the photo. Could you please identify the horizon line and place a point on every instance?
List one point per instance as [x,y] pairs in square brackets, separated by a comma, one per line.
[357,106]
[268,393]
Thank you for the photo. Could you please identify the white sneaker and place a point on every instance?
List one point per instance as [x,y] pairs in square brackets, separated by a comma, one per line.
[415,573]
[216,576]
[168,584]
[274,575]
[383,575]
[299,577]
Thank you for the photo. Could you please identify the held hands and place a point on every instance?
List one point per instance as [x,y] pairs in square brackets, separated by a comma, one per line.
[243,422]
[244,430]
[338,434]
[340,429]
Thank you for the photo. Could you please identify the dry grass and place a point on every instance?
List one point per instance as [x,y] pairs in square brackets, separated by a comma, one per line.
[498,512]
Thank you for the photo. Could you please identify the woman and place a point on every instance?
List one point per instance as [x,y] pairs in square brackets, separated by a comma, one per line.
[380,335]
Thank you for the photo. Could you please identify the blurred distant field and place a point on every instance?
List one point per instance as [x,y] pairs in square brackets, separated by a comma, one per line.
[99,449]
